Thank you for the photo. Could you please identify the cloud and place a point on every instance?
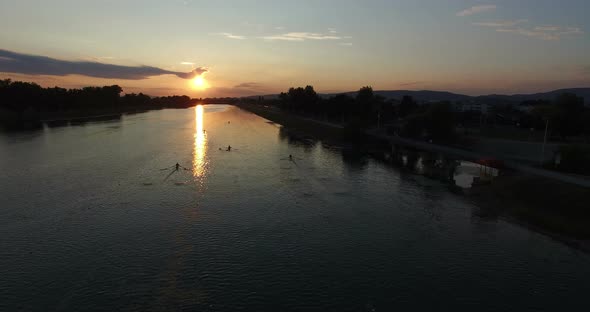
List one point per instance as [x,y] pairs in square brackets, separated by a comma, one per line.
[13,62]
[544,32]
[302,36]
[501,23]
[332,30]
[232,36]
[242,89]
[477,9]
[248,85]
[547,28]
[237,92]
[192,74]
[569,31]
[412,83]
[347,44]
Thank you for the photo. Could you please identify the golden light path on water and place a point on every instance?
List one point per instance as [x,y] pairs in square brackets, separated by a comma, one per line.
[199,161]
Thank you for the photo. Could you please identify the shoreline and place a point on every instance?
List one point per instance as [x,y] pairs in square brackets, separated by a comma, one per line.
[330,133]
[38,119]
[553,208]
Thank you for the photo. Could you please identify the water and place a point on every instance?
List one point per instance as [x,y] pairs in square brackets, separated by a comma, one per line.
[90,221]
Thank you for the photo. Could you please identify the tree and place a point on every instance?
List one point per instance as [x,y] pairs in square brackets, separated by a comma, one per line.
[586,124]
[437,122]
[18,97]
[5,83]
[364,103]
[413,126]
[407,106]
[571,108]
[440,121]
[544,113]
[340,106]
[300,99]
[575,158]
[565,115]
[365,95]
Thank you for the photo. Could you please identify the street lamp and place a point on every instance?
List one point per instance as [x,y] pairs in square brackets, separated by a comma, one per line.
[544,141]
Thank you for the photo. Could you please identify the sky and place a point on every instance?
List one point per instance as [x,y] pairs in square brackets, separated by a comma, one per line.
[236,48]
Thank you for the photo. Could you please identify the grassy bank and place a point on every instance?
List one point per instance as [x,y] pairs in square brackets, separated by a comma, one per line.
[317,129]
[553,207]
[558,209]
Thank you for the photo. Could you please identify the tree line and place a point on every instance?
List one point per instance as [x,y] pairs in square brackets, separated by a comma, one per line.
[567,116]
[19,96]
[434,121]
[27,102]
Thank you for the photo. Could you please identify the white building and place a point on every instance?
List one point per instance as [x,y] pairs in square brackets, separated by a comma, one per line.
[471,107]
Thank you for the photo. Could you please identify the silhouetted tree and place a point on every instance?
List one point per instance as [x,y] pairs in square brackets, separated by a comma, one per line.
[440,122]
[413,126]
[586,124]
[26,101]
[571,108]
[364,103]
[437,123]
[575,158]
[5,83]
[302,100]
[339,107]
[407,106]
[565,115]
[365,95]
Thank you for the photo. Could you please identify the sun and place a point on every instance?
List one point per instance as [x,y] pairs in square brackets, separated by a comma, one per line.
[199,83]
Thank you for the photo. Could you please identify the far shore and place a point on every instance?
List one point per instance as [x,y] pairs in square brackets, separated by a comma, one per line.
[35,120]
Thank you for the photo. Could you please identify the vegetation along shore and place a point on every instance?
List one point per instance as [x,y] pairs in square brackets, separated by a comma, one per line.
[552,207]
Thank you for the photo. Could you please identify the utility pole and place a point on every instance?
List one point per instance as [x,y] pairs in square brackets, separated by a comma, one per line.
[480,123]
[544,142]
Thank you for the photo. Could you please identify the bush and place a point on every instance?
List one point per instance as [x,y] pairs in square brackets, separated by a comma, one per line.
[575,159]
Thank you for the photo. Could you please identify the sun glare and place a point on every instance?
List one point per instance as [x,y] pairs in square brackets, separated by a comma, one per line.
[199,83]
[199,161]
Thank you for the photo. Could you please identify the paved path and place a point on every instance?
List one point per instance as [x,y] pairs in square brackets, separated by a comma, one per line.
[454,152]
[469,155]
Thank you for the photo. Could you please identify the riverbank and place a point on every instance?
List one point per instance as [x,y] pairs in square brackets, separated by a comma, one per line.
[555,208]
[12,120]
[328,132]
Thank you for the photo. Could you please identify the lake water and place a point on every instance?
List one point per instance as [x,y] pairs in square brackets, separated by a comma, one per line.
[94,217]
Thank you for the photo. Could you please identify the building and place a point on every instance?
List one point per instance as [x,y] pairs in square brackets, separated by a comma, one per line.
[460,107]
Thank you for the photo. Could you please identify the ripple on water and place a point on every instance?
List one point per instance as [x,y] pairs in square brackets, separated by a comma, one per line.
[254,233]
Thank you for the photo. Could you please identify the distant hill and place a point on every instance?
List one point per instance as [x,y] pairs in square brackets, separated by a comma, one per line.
[583,92]
[517,98]
[431,96]
[420,96]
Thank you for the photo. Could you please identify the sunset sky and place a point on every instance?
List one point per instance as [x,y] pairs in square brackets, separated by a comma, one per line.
[260,47]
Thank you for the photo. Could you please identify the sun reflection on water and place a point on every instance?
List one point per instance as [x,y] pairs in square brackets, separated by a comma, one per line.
[199,161]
